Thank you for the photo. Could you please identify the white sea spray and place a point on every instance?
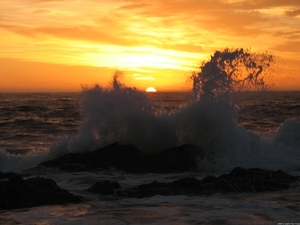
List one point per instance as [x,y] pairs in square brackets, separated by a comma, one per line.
[125,115]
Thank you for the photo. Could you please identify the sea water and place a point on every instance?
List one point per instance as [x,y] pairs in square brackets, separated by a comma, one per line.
[234,127]
[33,121]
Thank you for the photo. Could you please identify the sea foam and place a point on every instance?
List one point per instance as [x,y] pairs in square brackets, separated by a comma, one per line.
[125,115]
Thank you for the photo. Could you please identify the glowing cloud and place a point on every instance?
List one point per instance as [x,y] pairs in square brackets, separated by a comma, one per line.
[134,36]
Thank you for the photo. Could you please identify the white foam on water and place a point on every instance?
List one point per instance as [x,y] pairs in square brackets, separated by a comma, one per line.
[125,115]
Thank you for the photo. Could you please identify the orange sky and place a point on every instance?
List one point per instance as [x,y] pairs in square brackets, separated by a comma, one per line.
[59,45]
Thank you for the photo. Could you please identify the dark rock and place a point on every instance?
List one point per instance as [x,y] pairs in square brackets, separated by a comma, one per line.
[178,159]
[105,187]
[239,180]
[9,175]
[16,192]
[73,168]
[130,159]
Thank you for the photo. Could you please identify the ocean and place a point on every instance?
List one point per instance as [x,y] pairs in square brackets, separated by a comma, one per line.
[31,122]
[232,126]
[256,129]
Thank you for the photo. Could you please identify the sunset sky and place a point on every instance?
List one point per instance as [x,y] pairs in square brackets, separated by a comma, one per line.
[59,45]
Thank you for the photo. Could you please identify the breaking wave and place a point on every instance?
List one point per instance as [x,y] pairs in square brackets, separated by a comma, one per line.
[125,115]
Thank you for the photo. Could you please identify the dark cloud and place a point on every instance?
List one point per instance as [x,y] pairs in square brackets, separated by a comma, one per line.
[289,46]
[18,30]
[289,34]
[183,47]
[41,11]
[293,13]
[206,14]
[170,7]
[134,6]
[239,23]
[84,33]
[262,4]
[40,1]
[169,24]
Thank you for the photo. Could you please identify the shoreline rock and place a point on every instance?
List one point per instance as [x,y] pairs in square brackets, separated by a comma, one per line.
[16,192]
[130,159]
[239,180]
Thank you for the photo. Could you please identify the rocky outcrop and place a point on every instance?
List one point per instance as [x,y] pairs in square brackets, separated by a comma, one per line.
[16,192]
[130,159]
[239,180]
[105,187]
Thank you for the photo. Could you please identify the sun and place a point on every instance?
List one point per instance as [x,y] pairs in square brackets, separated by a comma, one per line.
[150,89]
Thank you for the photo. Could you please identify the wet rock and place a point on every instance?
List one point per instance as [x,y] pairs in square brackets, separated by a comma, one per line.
[130,159]
[16,192]
[178,159]
[73,168]
[9,176]
[239,180]
[105,187]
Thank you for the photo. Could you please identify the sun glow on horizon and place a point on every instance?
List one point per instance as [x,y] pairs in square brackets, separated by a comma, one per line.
[151,89]
[162,43]
[142,57]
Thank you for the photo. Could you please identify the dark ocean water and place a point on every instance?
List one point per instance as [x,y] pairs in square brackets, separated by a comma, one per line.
[255,130]
[233,129]
[32,121]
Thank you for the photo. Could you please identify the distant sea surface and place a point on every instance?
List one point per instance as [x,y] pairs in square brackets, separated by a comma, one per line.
[33,121]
